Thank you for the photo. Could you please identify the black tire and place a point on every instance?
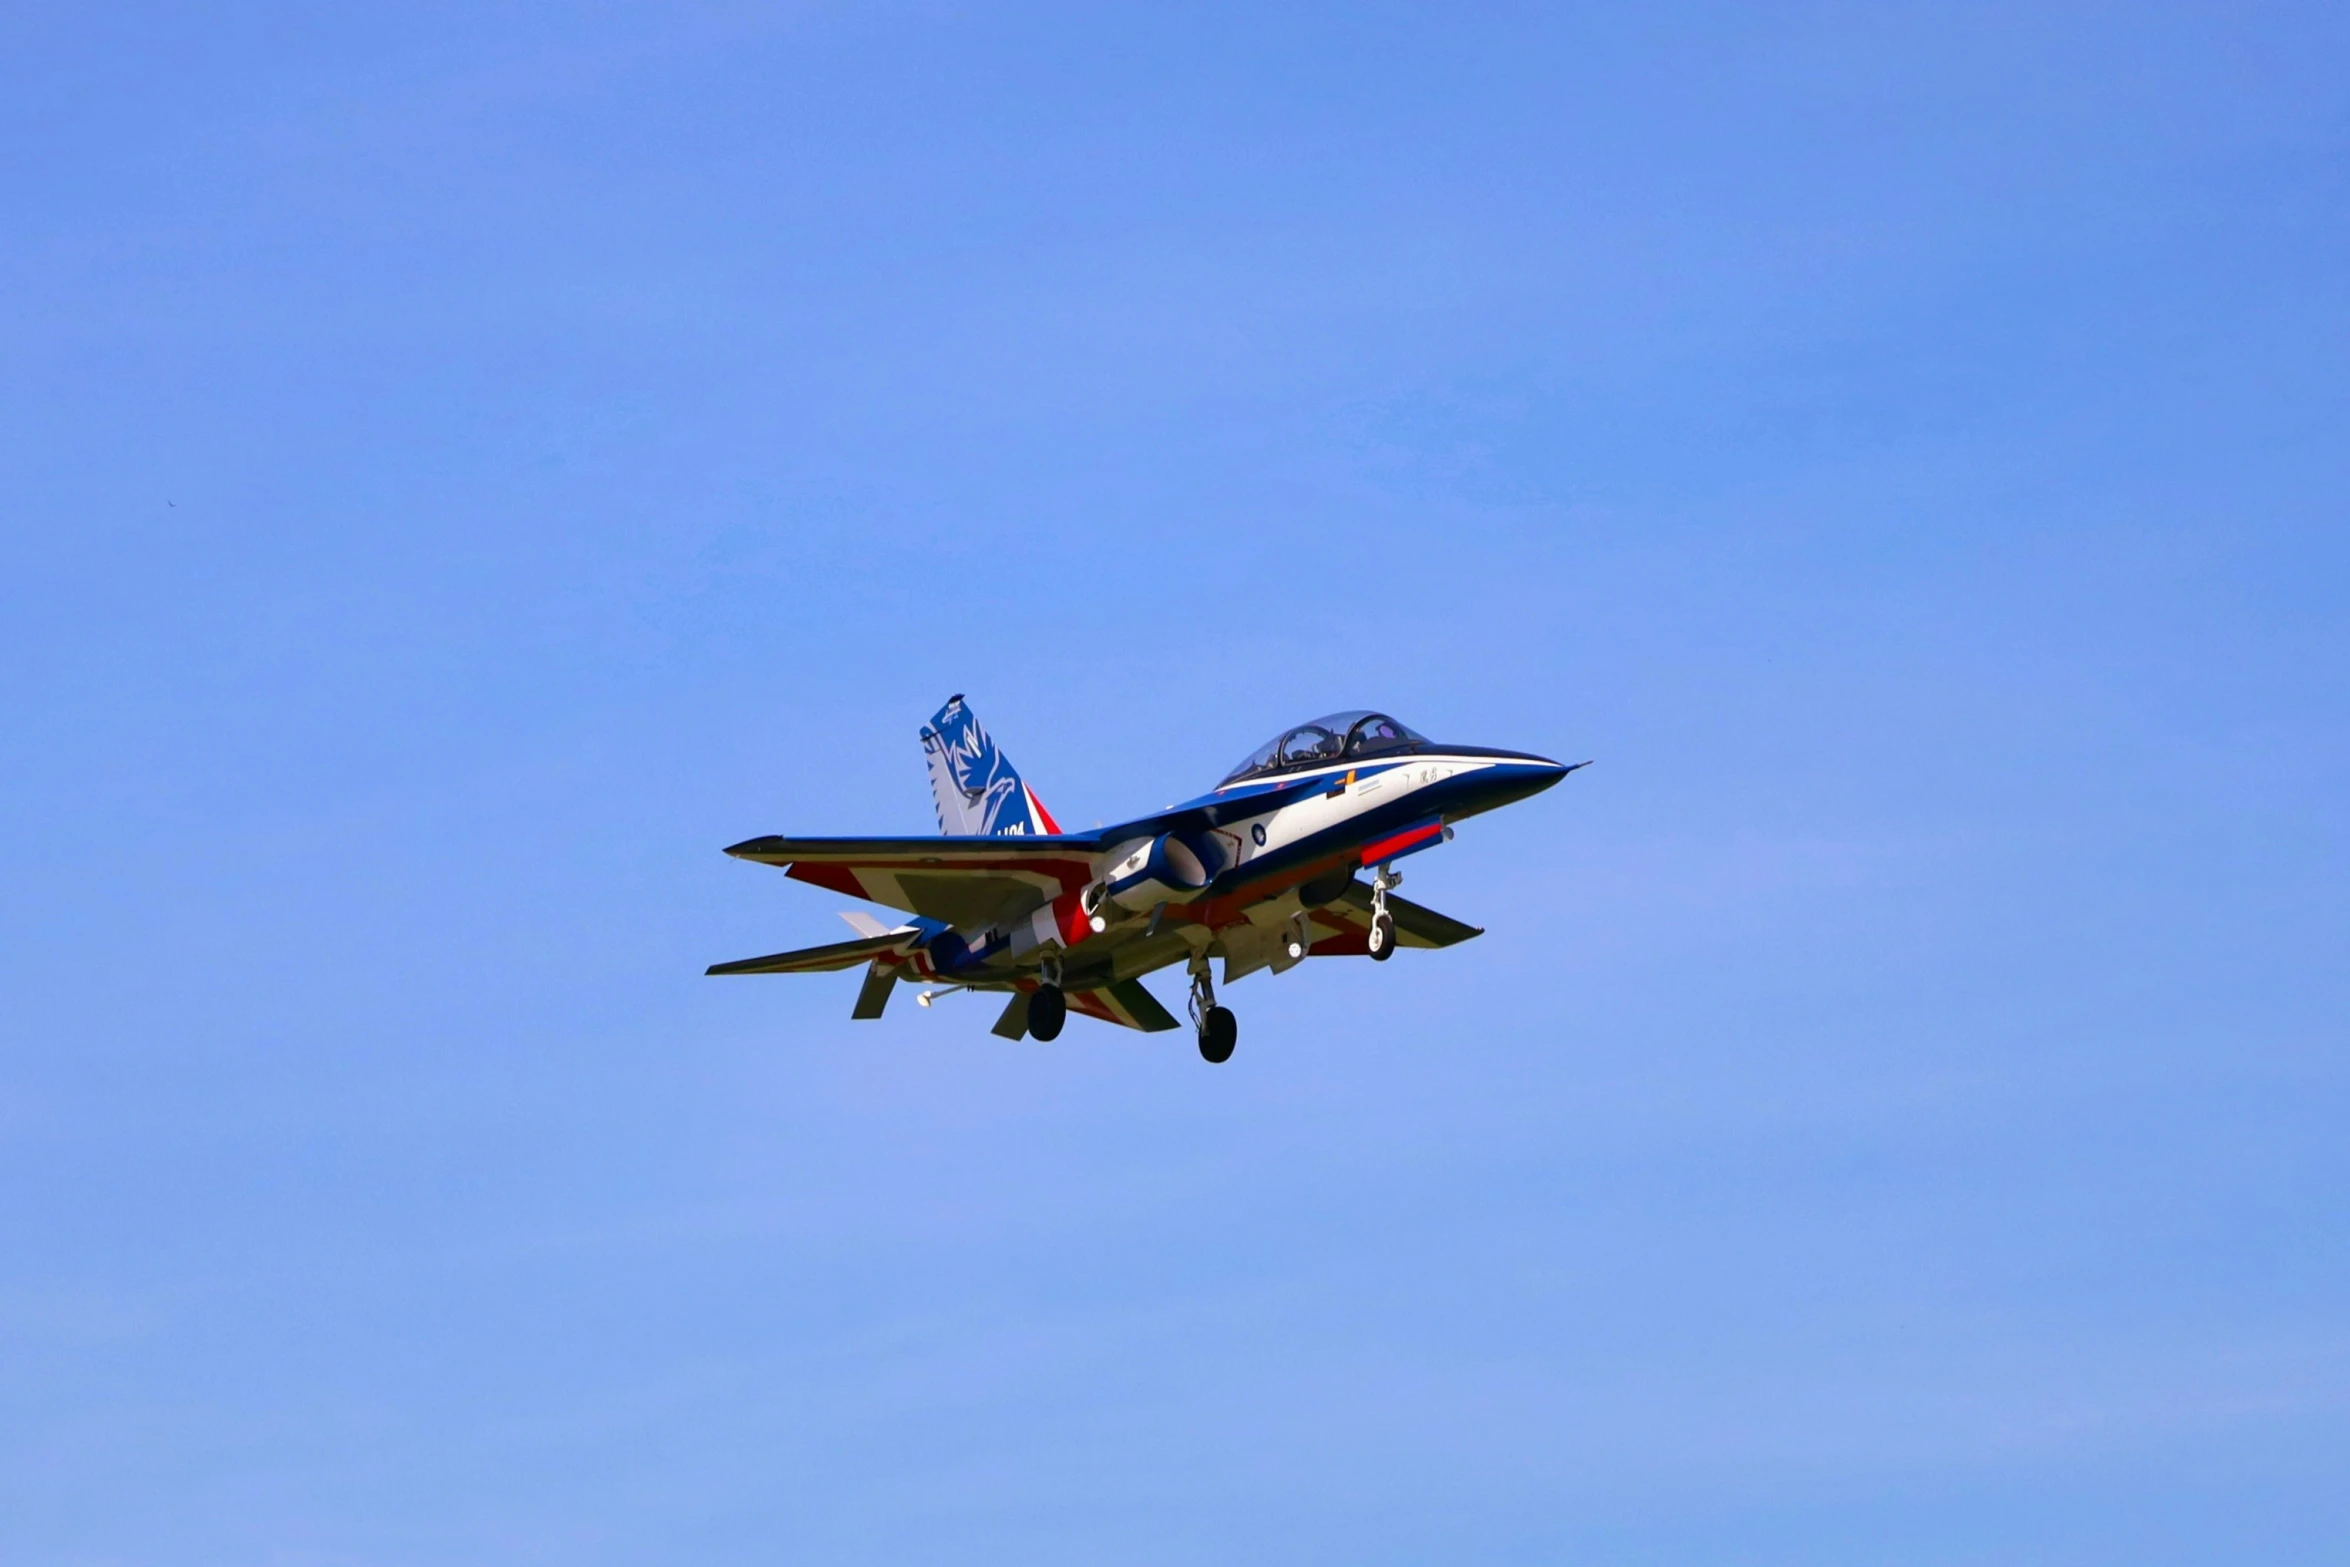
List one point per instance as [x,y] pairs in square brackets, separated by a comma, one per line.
[1219,1031]
[1382,937]
[1048,1009]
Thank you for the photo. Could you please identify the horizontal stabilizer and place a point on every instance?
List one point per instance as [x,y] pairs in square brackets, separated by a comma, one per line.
[816,960]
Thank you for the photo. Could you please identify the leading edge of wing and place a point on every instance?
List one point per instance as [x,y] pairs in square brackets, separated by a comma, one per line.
[959,849]
[941,851]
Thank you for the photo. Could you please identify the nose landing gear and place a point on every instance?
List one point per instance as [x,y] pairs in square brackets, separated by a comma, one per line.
[1382,937]
[1218,1029]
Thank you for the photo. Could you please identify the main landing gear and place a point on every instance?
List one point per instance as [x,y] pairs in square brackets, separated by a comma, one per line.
[1048,1008]
[1382,937]
[1218,1029]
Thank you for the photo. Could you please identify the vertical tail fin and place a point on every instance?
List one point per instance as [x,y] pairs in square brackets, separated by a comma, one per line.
[976,790]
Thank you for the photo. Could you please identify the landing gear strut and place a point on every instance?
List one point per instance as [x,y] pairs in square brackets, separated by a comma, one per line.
[1382,937]
[1218,1029]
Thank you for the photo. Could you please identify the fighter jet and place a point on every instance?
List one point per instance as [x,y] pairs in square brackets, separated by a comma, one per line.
[1261,872]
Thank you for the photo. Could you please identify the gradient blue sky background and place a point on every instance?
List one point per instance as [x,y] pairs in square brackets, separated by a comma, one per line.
[466,464]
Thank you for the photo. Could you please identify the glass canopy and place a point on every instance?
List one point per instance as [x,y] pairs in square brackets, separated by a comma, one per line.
[1334,738]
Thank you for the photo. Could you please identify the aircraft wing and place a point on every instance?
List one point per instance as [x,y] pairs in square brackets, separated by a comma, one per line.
[959,881]
[1415,924]
[817,960]
[1125,1003]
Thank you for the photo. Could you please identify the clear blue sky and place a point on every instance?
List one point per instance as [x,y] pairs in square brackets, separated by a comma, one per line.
[463,465]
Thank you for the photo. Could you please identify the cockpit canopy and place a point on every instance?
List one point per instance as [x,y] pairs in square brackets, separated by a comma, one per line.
[1336,738]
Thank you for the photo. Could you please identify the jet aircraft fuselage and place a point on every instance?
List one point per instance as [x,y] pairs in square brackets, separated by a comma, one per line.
[1259,872]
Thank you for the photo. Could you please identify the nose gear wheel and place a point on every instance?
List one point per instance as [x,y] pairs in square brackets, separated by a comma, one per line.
[1382,937]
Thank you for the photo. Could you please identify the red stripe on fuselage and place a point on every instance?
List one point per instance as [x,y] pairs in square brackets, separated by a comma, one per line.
[1070,921]
[1396,843]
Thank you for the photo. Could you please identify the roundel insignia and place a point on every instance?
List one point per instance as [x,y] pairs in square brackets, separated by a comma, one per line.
[1258,832]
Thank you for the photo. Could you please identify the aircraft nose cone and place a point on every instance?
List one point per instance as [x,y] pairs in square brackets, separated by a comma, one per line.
[1540,772]
[1513,776]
